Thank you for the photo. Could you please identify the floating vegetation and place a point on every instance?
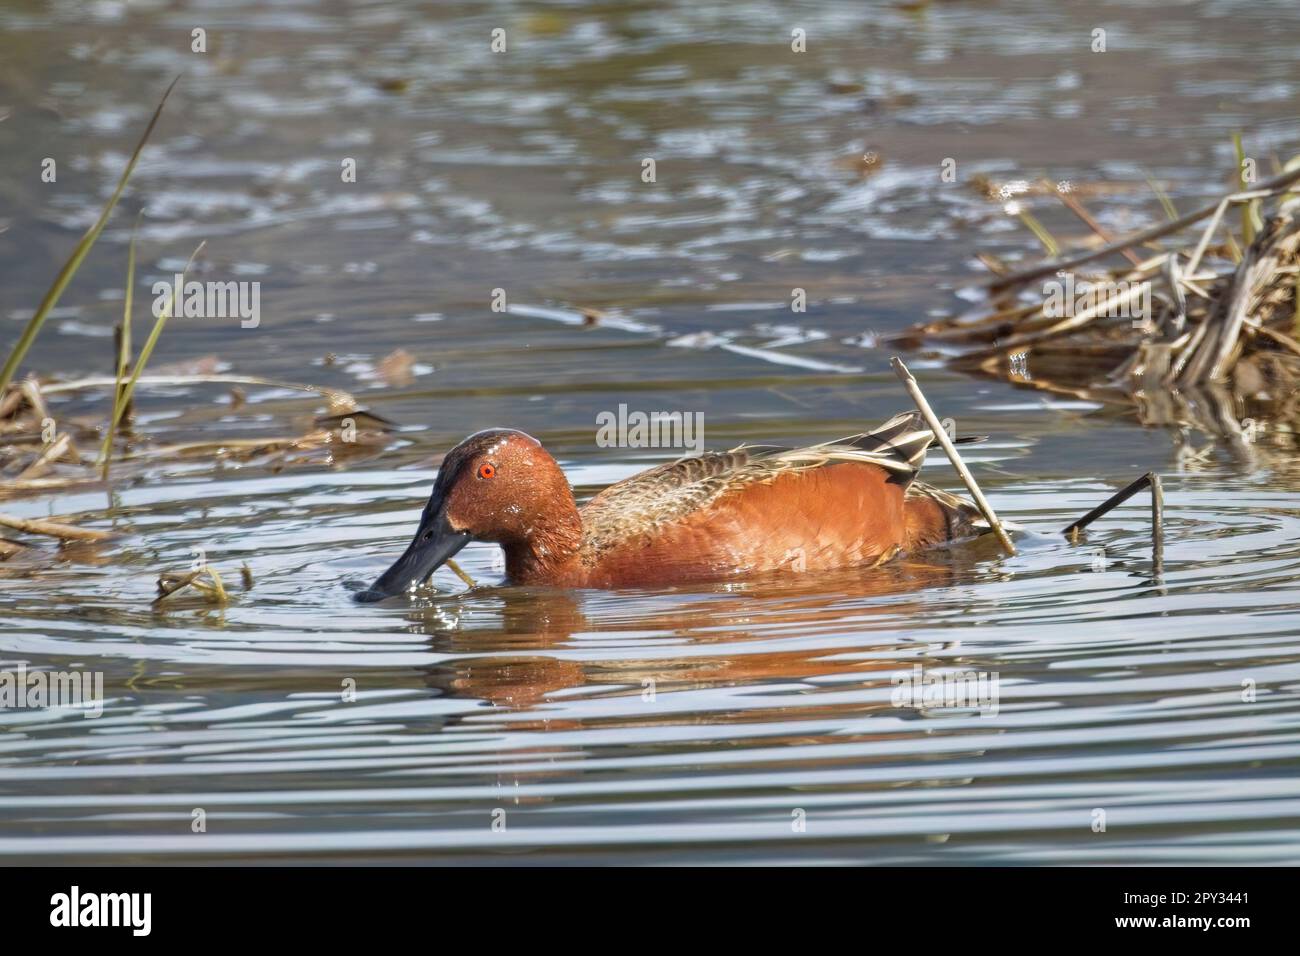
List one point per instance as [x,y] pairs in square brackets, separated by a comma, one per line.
[202,585]
[1201,334]
[210,591]
[35,457]
[70,537]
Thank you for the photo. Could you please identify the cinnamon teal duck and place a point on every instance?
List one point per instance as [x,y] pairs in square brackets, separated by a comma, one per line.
[855,501]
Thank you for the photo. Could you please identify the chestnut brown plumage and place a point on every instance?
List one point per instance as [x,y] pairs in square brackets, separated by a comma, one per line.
[717,515]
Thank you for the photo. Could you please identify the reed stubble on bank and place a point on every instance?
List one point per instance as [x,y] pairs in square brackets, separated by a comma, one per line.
[1219,349]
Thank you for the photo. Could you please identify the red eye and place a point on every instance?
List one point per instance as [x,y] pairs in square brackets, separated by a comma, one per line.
[487,471]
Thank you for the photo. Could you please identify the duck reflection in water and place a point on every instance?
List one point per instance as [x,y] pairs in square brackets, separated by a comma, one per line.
[509,631]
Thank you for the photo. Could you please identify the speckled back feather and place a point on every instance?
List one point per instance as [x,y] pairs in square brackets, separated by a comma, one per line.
[677,489]
[963,518]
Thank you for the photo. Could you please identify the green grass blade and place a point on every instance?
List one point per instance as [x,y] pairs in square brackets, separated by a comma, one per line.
[1251,221]
[123,350]
[1039,230]
[123,398]
[1170,210]
[1291,164]
[78,255]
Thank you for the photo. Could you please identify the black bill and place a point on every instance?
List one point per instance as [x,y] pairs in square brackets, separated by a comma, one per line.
[435,541]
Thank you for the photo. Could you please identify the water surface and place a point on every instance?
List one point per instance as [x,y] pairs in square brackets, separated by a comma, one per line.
[673,725]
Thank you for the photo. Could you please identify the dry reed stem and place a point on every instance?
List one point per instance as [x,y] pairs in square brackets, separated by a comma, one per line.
[13,397]
[1149,480]
[53,529]
[31,390]
[170,583]
[1270,187]
[1076,207]
[460,573]
[51,454]
[941,435]
[335,397]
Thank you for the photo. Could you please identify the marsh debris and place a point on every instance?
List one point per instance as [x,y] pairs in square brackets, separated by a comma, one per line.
[39,452]
[209,591]
[1201,334]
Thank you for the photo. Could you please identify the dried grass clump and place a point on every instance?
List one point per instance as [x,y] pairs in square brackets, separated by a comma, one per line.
[201,585]
[1218,349]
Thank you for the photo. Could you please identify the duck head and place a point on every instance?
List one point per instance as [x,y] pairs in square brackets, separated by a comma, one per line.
[498,485]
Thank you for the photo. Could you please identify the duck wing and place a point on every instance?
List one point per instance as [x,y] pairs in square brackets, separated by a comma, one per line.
[677,489]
